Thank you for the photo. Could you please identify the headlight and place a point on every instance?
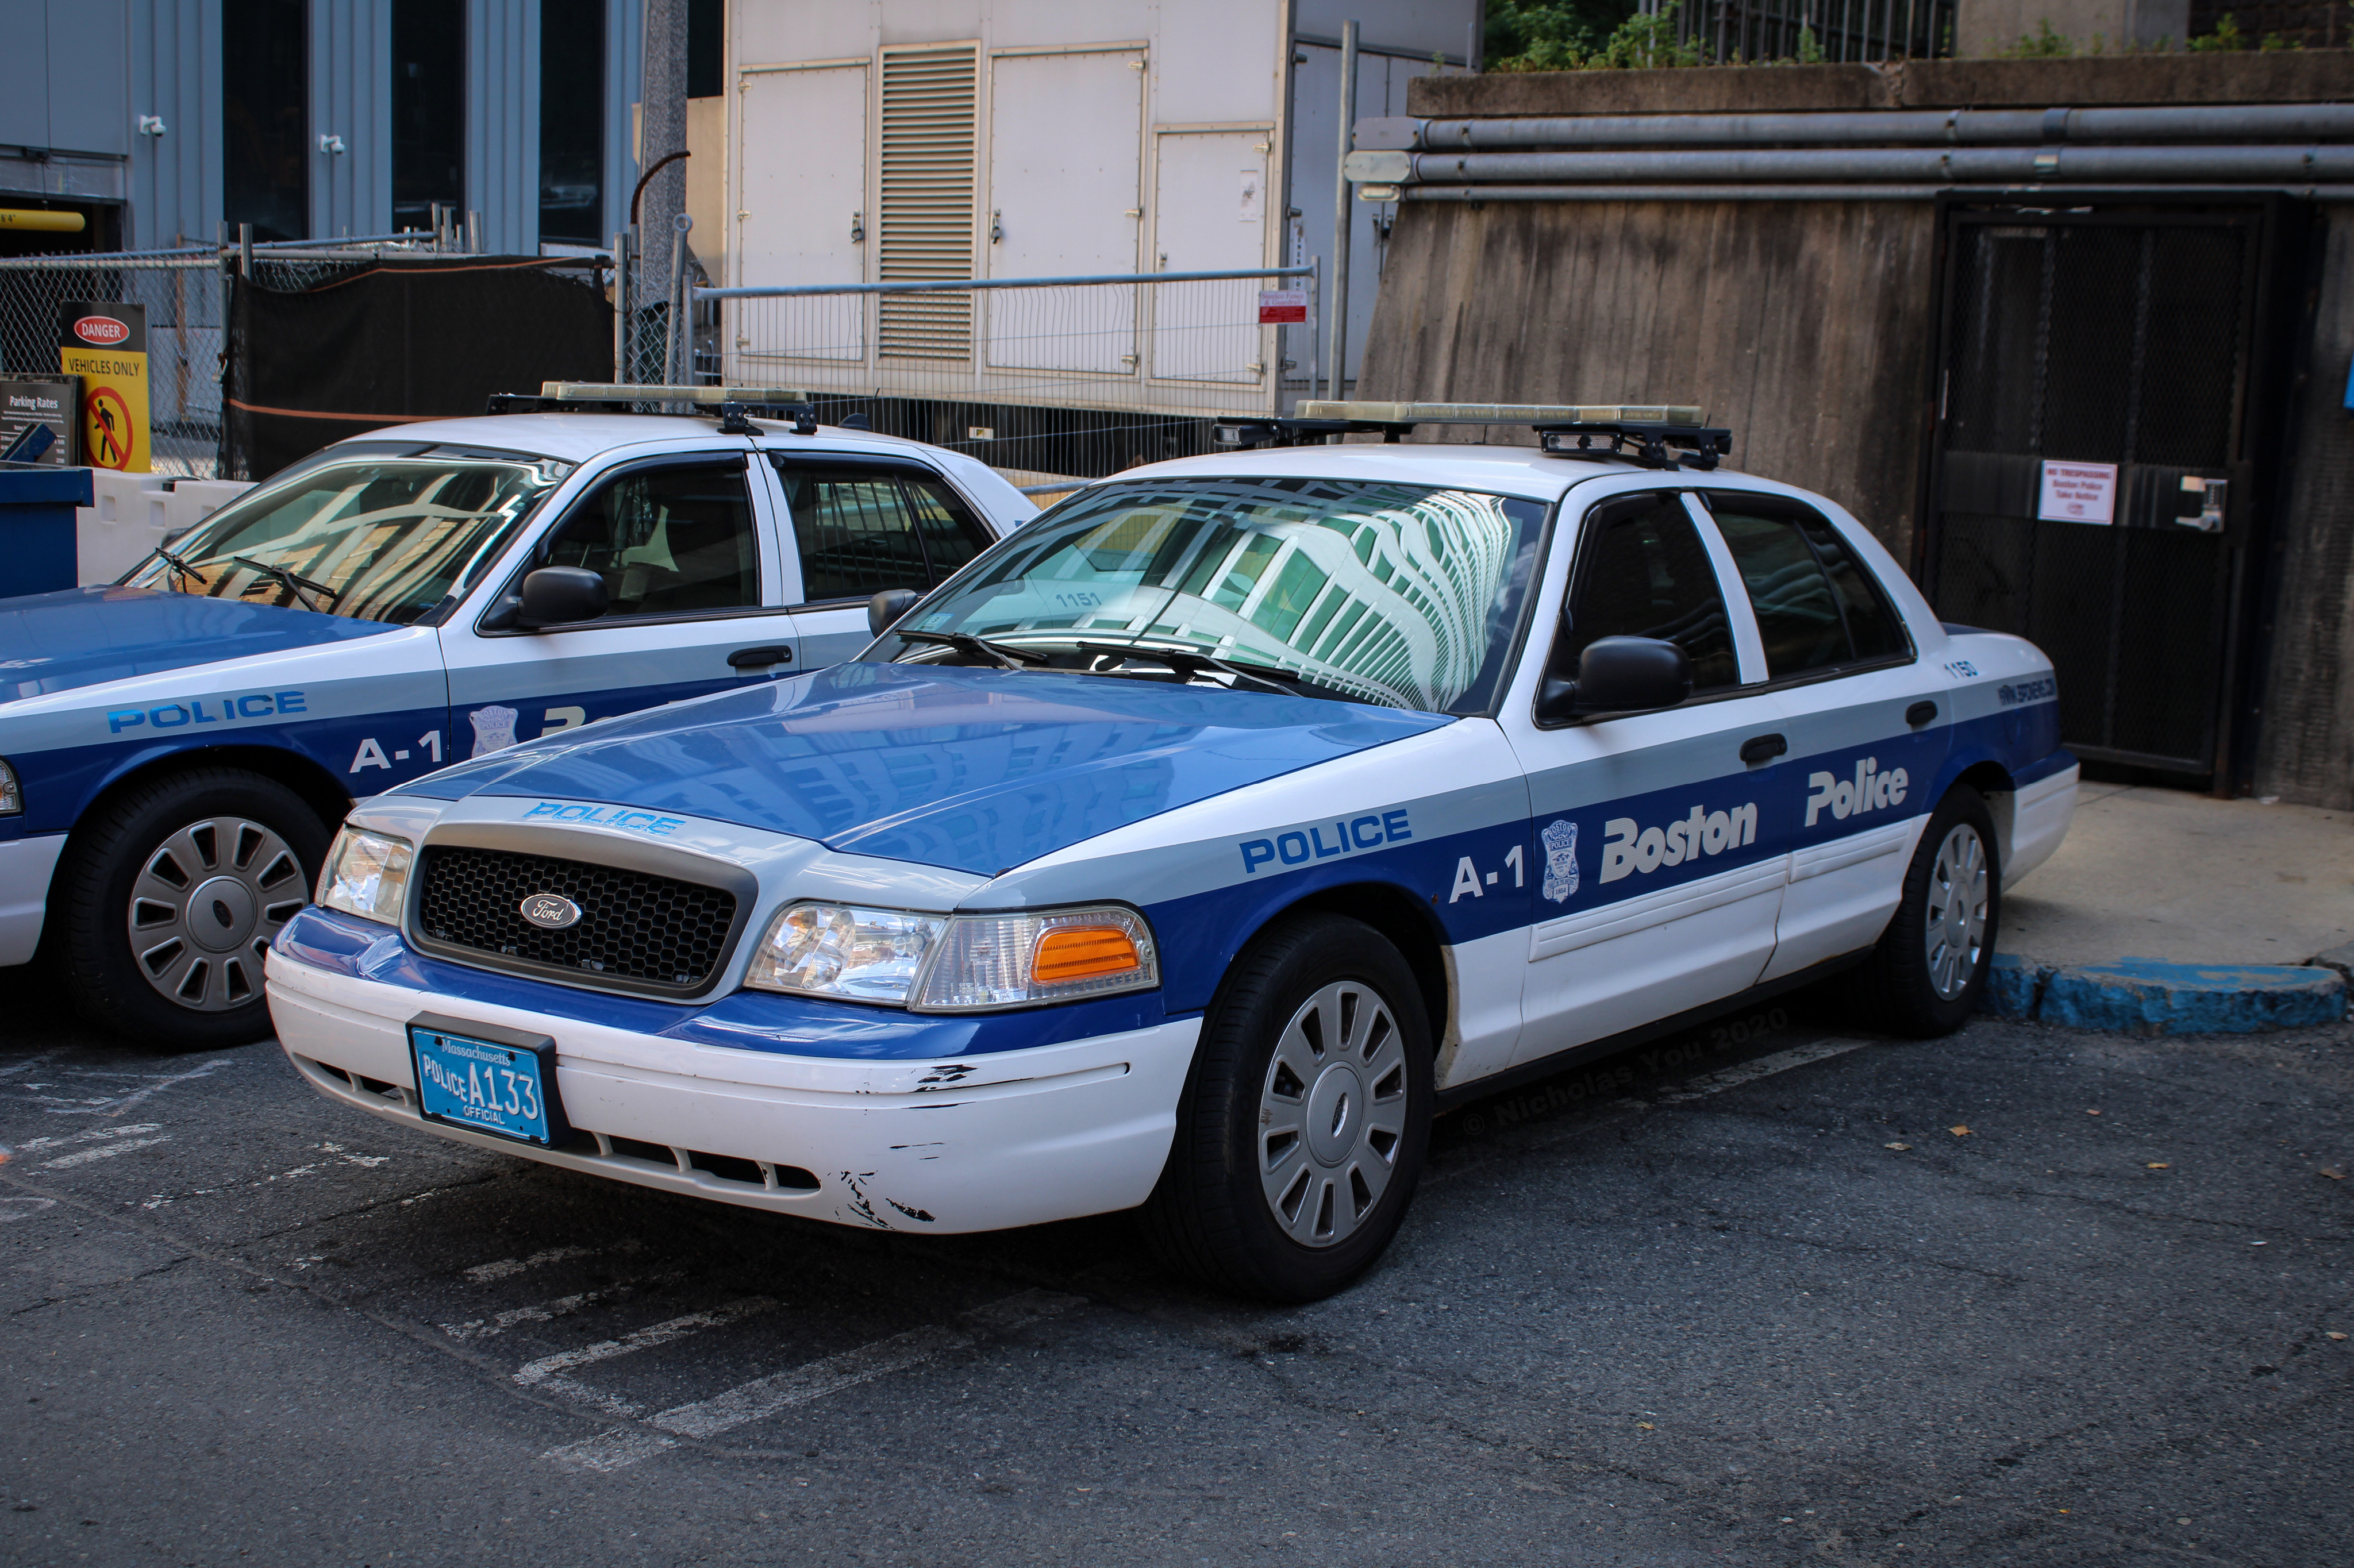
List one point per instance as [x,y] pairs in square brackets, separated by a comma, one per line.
[966,963]
[367,875]
[831,949]
[11,797]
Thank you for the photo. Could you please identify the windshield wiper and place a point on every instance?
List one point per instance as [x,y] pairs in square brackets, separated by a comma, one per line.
[295,584]
[1261,677]
[181,570]
[1003,655]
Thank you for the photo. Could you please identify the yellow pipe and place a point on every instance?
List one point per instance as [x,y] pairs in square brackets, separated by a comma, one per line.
[42,222]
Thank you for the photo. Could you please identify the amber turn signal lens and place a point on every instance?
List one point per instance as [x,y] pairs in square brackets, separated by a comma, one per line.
[1082,952]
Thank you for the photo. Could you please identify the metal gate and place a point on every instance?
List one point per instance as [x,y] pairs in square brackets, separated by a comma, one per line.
[2080,346]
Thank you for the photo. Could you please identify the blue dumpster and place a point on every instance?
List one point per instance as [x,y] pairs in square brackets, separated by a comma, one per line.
[37,525]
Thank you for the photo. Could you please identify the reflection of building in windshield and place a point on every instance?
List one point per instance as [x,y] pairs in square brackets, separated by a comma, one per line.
[1380,589]
[388,539]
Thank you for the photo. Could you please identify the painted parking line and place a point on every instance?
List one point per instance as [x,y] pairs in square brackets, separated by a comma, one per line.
[109,1142]
[562,1307]
[337,1155]
[622,1446]
[507,1267]
[1763,1068]
[645,1339]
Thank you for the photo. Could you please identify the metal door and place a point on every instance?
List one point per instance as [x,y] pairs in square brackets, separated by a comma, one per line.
[801,135]
[1066,137]
[1209,215]
[2093,340]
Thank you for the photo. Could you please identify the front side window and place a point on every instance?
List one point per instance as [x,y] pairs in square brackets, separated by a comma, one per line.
[1816,608]
[1396,594]
[667,541]
[1643,572]
[375,538]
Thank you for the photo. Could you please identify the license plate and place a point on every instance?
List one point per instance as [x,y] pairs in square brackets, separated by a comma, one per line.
[488,1079]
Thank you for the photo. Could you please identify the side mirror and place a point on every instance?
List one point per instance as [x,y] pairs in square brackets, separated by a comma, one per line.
[886,608]
[1621,674]
[560,595]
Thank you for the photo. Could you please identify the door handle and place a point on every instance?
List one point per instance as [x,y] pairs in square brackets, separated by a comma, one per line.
[1762,748]
[758,658]
[1920,713]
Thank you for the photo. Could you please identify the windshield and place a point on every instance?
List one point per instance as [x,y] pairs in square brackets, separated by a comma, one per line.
[1395,594]
[374,538]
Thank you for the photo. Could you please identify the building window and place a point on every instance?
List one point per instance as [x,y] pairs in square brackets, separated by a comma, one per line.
[572,122]
[265,113]
[706,48]
[428,108]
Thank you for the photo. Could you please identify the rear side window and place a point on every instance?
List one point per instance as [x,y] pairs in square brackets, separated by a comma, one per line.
[864,530]
[1643,572]
[667,541]
[1817,607]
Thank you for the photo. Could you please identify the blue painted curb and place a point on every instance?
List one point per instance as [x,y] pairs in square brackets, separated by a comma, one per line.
[2150,996]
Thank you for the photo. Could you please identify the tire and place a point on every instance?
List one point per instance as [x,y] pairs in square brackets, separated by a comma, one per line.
[1321,1021]
[1924,977]
[170,892]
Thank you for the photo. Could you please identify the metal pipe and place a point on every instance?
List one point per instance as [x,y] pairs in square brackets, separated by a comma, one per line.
[964,283]
[1957,127]
[622,307]
[673,328]
[1315,330]
[473,232]
[245,250]
[2020,165]
[1812,193]
[1336,348]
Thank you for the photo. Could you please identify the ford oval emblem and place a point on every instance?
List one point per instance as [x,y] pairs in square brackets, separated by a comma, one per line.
[550,911]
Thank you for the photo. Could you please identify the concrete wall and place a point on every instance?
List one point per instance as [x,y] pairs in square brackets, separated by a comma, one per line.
[2305,740]
[1749,310]
[1985,26]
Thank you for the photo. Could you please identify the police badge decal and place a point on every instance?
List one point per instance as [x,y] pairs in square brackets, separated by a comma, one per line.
[1560,841]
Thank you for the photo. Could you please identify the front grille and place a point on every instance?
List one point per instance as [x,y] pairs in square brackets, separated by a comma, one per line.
[633,926]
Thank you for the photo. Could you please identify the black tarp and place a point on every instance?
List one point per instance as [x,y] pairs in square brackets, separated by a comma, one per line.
[397,341]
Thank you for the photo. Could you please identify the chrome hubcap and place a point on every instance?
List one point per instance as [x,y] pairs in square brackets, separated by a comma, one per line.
[206,904]
[1331,1116]
[1956,920]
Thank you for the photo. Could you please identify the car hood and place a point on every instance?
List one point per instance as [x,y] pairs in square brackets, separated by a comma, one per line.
[976,769]
[82,637]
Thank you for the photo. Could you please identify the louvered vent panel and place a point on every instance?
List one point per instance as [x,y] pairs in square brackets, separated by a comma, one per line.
[928,120]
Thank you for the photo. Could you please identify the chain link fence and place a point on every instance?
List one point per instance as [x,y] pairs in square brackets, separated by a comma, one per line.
[1810,31]
[1039,378]
[185,293]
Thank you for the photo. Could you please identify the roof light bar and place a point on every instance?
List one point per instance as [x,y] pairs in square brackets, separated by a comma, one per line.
[607,392]
[1503,413]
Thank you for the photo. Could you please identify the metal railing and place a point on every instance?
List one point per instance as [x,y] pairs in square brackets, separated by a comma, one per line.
[1045,376]
[1832,31]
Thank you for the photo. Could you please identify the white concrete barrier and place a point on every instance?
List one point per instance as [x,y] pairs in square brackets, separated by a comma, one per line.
[134,512]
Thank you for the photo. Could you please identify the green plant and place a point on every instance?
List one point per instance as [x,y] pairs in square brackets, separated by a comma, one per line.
[1550,35]
[2041,43]
[1810,50]
[2226,36]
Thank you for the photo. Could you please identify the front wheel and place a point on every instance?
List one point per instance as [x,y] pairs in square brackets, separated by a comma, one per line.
[1924,977]
[170,895]
[1301,1134]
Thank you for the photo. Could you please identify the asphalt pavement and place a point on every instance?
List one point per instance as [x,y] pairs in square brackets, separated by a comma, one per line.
[1768,1293]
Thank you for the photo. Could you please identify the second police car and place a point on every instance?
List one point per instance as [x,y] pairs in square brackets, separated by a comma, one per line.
[1190,849]
[176,750]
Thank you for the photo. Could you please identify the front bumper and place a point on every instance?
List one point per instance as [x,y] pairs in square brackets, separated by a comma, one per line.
[27,866]
[973,1143]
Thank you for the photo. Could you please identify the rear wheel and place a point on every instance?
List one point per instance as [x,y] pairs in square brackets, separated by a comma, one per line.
[171,894]
[1924,977]
[1304,1123]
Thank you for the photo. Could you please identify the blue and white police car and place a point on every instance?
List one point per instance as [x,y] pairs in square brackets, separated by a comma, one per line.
[1193,846]
[175,750]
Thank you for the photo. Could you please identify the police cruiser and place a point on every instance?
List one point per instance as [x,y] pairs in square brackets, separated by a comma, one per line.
[1191,848]
[175,750]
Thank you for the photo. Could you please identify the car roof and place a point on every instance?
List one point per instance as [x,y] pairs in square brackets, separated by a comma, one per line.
[576,438]
[1502,470]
